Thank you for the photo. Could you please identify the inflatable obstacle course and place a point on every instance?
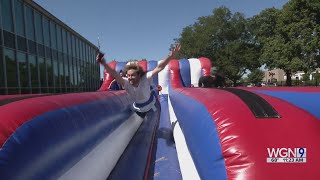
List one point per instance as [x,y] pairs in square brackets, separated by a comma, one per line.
[234,133]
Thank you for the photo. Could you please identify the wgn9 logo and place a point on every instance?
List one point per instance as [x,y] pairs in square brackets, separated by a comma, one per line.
[287,155]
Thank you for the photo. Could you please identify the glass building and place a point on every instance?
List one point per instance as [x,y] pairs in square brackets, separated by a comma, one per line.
[41,54]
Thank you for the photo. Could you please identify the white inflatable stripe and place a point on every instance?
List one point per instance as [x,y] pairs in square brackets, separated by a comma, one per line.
[164,79]
[187,167]
[98,164]
[195,71]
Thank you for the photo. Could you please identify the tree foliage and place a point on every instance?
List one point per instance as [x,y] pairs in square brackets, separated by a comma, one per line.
[256,76]
[286,38]
[225,39]
[306,77]
[290,36]
[316,75]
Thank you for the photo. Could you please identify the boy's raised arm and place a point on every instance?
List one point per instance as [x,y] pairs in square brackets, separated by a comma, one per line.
[112,72]
[165,62]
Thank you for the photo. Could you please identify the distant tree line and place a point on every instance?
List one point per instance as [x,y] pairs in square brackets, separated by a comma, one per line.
[287,38]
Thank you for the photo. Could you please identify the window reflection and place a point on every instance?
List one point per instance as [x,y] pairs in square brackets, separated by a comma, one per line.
[64,41]
[30,23]
[43,75]
[66,70]
[59,39]
[2,82]
[19,18]
[53,33]
[22,43]
[71,67]
[61,70]
[11,67]
[46,32]
[6,11]
[8,38]
[38,23]
[76,72]
[32,47]
[41,50]
[34,73]
[56,75]
[48,52]
[23,72]
[50,75]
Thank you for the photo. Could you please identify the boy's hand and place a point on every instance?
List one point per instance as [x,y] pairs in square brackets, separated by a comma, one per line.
[100,58]
[175,50]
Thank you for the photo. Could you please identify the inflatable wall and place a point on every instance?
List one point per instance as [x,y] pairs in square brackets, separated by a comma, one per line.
[73,136]
[248,133]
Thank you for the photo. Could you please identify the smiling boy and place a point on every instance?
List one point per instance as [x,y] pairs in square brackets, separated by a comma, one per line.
[137,83]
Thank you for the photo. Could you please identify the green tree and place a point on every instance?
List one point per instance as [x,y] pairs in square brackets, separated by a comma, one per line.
[306,77]
[316,78]
[225,39]
[290,37]
[316,75]
[256,76]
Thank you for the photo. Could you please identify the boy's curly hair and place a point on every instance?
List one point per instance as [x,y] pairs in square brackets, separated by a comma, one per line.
[134,66]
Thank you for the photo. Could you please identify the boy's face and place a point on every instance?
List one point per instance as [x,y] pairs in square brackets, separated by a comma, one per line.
[133,77]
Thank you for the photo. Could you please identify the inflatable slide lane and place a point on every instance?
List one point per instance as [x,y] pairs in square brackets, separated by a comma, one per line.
[163,160]
[248,133]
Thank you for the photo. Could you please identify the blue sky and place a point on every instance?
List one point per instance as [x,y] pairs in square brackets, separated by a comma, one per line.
[137,29]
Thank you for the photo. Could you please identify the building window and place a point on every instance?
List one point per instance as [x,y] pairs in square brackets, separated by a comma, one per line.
[46,32]
[77,73]
[61,69]
[48,52]
[32,47]
[54,54]
[2,70]
[6,11]
[59,38]
[23,72]
[30,24]
[82,74]
[85,52]
[11,67]
[19,12]
[41,50]
[77,48]
[71,67]
[80,50]
[69,44]
[9,39]
[43,75]
[66,59]
[34,73]
[50,75]
[0,36]
[66,70]
[22,43]
[64,42]
[56,75]
[53,33]
[38,23]
[74,46]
